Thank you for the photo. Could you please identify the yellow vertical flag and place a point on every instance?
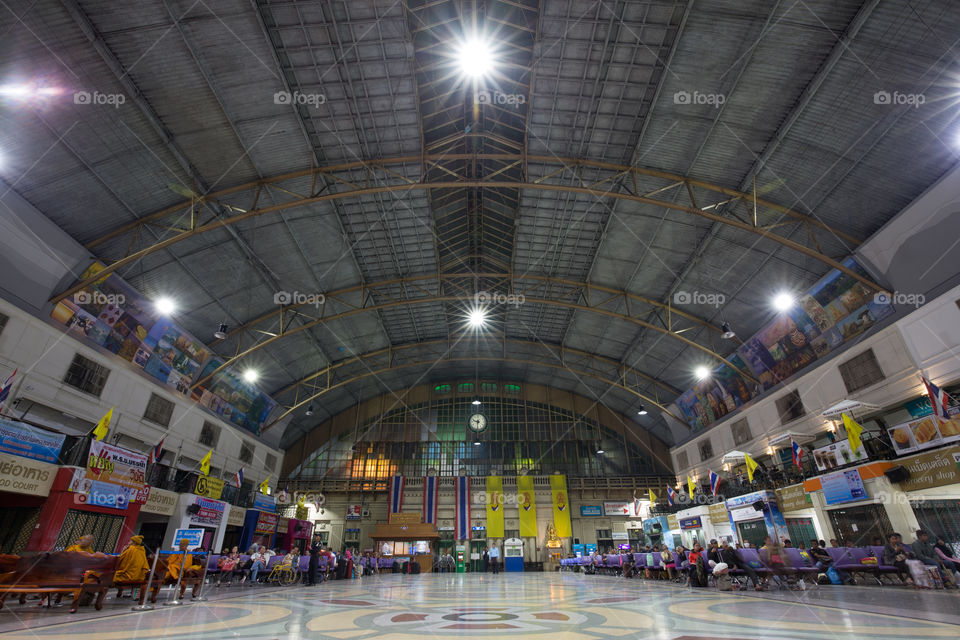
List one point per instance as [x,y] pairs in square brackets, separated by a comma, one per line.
[527,505]
[100,431]
[265,486]
[494,507]
[751,466]
[853,432]
[691,486]
[205,463]
[561,506]
[653,496]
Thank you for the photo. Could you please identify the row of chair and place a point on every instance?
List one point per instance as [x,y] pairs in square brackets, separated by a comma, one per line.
[849,559]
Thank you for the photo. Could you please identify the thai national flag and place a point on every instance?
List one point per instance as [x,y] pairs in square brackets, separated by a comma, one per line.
[156,452]
[396,494]
[463,508]
[238,477]
[636,507]
[671,494]
[5,391]
[939,400]
[714,481]
[797,453]
[431,489]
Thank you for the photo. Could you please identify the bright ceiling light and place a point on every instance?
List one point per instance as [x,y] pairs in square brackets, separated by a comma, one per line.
[476,401]
[642,411]
[165,306]
[600,451]
[16,90]
[701,372]
[251,375]
[475,57]
[477,318]
[783,301]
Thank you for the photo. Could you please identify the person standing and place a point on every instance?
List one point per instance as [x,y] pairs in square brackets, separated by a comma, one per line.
[495,559]
[485,566]
[314,566]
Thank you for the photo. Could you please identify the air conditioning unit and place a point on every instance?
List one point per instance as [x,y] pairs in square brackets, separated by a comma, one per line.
[366,513]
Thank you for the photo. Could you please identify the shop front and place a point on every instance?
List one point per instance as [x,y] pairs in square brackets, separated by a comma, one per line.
[933,491]
[234,529]
[754,516]
[695,526]
[155,515]
[197,512]
[719,518]
[408,542]
[295,533]
[24,487]
[799,514]
[259,527]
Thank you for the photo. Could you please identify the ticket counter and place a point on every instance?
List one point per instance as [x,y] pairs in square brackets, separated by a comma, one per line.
[407,542]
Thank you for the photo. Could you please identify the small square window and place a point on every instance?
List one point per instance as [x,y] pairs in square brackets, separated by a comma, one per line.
[159,410]
[86,375]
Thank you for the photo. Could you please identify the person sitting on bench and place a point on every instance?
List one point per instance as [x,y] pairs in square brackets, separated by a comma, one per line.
[183,559]
[132,564]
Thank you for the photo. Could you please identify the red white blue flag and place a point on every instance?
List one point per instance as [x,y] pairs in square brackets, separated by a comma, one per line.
[156,452]
[463,508]
[431,492]
[797,453]
[5,391]
[396,494]
[238,477]
[939,400]
[671,495]
[714,481]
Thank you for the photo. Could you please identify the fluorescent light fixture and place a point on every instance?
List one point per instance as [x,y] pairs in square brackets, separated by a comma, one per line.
[165,306]
[475,57]
[783,301]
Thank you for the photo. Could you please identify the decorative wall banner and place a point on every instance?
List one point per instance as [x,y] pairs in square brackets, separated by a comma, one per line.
[23,440]
[838,454]
[209,487]
[834,311]
[266,523]
[527,507]
[210,513]
[462,524]
[933,469]
[115,316]
[495,502]
[116,465]
[926,432]
[561,506]
[29,477]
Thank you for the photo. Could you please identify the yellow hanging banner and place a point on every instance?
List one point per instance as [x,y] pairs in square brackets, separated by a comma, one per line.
[494,507]
[527,506]
[561,506]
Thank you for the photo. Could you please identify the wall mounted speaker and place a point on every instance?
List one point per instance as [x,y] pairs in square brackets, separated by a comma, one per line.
[758,505]
[193,509]
[898,473]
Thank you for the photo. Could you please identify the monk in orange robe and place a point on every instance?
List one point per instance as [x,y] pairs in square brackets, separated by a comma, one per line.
[183,559]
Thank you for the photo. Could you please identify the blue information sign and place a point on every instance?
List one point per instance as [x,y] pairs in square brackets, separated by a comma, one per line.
[591,510]
[29,442]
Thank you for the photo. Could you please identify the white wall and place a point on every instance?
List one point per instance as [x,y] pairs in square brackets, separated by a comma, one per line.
[926,340]
[42,353]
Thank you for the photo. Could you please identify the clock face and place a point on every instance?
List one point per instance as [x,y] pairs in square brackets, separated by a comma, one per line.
[477,422]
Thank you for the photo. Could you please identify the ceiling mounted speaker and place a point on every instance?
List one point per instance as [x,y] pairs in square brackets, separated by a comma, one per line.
[897,474]
[758,505]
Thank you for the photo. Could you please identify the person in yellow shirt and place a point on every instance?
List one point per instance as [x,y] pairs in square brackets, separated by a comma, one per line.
[84,545]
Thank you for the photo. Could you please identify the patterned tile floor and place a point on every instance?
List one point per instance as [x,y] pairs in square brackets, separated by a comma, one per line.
[545,606]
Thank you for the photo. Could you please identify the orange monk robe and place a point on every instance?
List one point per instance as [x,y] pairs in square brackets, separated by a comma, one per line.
[75,548]
[132,564]
[176,561]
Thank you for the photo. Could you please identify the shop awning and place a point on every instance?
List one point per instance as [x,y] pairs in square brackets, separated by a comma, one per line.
[734,456]
[799,438]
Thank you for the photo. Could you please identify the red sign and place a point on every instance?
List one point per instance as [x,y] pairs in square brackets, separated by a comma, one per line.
[266,523]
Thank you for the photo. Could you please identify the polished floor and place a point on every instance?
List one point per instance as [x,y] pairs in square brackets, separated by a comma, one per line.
[550,606]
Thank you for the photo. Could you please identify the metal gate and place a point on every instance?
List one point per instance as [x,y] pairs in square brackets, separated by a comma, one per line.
[16,526]
[801,530]
[860,525]
[942,519]
[104,529]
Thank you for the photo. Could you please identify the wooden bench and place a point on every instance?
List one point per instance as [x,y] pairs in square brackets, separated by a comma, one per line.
[59,573]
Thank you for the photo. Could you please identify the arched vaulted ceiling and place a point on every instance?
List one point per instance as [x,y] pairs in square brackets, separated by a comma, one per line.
[621,152]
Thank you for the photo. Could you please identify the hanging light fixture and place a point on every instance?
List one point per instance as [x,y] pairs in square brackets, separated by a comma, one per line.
[221,333]
[728,333]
